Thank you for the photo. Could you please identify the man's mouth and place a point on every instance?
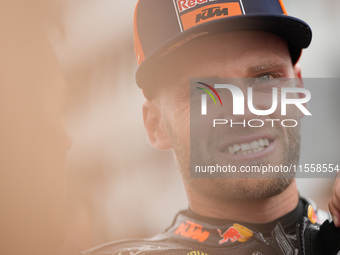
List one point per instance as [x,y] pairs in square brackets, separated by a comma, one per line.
[249,148]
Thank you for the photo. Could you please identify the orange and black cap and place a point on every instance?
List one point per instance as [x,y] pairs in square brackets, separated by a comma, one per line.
[160,26]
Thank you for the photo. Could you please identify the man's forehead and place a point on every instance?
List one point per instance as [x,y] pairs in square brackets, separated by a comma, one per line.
[250,54]
[233,39]
[253,55]
[224,44]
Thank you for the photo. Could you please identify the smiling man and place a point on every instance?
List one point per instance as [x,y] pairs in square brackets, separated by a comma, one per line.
[254,44]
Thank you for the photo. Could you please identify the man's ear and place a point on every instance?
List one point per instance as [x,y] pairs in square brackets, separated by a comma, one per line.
[297,72]
[299,83]
[155,127]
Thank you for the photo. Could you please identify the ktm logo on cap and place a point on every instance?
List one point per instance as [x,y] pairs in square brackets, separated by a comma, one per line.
[191,15]
[210,13]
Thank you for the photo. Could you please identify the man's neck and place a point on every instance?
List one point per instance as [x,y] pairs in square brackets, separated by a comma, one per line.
[256,211]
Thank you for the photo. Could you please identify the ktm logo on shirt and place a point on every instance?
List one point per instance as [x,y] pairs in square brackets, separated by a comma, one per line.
[192,230]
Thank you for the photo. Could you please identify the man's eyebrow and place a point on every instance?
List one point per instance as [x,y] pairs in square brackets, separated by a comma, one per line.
[266,66]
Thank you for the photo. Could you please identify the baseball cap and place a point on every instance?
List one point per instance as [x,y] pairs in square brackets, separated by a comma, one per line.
[161,26]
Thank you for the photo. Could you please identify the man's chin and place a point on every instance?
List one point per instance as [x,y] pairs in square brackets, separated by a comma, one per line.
[241,189]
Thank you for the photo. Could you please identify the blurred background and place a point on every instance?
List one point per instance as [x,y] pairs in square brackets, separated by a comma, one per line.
[118,185]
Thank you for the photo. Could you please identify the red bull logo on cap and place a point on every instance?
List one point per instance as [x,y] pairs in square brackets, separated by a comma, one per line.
[235,233]
[184,5]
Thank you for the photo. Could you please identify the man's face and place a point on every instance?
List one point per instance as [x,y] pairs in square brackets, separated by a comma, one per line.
[257,55]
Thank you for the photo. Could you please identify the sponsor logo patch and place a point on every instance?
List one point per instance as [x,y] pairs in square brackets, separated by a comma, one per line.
[184,5]
[197,253]
[195,12]
[192,230]
[311,215]
[235,233]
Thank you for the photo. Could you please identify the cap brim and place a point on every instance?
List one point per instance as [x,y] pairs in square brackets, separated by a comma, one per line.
[297,33]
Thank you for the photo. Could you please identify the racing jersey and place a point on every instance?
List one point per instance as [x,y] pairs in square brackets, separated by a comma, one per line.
[306,230]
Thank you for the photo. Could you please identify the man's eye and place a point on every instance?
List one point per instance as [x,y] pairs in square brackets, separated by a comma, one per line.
[263,78]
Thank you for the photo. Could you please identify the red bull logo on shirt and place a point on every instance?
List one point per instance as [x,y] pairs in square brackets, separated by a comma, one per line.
[235,233]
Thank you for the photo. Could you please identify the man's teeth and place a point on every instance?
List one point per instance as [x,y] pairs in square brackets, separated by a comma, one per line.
[249,148]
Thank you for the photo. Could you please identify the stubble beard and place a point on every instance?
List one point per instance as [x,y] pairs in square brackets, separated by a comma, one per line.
[239,189]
